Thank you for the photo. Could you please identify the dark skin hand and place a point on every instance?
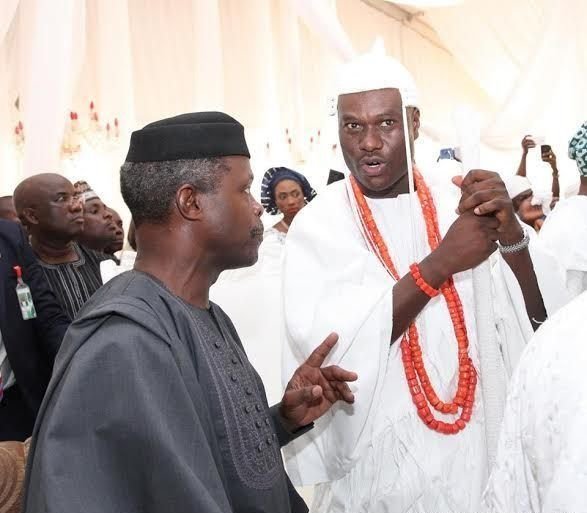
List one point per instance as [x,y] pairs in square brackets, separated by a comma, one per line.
[484,194]
[528,213]
[527,144]
[468,242]
[313,389]
[485,215]
[550,158]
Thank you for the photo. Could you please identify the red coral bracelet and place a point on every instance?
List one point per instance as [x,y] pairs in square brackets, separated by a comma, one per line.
[424,287]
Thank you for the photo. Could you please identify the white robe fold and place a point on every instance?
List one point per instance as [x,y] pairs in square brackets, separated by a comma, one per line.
[564,236]
[377,455]
[251,297]
[540,465]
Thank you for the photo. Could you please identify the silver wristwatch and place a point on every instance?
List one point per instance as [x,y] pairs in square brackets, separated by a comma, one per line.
[518,246]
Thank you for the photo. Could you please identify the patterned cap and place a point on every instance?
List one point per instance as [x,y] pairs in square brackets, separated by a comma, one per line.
[85,191]
[578,149]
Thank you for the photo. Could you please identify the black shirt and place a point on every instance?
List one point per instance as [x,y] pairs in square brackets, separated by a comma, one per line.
[75,282]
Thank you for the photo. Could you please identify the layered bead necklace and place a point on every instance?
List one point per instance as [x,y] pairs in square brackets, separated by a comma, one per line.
[423,395]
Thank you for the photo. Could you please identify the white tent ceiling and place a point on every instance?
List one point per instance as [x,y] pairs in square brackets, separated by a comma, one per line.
[527,58]
[269,62]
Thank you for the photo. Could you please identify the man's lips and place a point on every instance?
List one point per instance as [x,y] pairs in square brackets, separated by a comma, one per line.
[372,166]
[372,170]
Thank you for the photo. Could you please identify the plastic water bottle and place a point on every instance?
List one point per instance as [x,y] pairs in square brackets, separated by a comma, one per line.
[25,298]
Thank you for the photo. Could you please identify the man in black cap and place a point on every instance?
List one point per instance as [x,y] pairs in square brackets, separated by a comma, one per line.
[153,405]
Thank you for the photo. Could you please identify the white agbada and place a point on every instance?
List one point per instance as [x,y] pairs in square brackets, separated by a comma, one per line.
[540,466]
[109,269]
[377,455]
[251,298]
[564,235]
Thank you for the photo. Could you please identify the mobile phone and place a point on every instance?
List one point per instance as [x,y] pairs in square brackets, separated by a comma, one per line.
[545,148]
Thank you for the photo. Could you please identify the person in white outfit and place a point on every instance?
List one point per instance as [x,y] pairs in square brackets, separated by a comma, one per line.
[564,233]
[540,465]
[390,272]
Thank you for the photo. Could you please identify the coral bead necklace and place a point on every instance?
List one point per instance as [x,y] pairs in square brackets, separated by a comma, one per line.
[421,390]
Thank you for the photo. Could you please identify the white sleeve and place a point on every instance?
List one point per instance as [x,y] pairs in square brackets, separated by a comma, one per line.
[510,308]
[332,283]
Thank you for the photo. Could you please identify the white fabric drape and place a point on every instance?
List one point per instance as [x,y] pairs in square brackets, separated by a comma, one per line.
[7,151]
[208,64]
[6,16]
[529,58]
[144,61]
[270,64]
[51,59]
[541,453]
[321,19]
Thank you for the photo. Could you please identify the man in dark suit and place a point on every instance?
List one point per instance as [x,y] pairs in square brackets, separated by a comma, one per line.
[7,210]
[27,347]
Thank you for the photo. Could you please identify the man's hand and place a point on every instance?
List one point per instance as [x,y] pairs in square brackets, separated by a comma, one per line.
[469,241]
[550,158]
[527,143]
[313,389]
[484,193]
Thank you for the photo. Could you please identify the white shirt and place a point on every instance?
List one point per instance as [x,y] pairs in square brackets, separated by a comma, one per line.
[6,373]
[109,269]
[251,297]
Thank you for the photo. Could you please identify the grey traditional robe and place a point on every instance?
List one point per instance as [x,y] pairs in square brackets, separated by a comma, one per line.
[154,407]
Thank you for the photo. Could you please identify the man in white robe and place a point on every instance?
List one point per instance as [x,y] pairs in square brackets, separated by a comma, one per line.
[378,456]
[564,233]
[540,465]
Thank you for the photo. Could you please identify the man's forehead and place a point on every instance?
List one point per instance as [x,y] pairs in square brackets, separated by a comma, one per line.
[239,164]
[46,188]
[51,195]
[56,183]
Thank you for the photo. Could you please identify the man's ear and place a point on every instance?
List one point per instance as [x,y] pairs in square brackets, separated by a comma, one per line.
[29,217]
[188,200]
[416,122]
